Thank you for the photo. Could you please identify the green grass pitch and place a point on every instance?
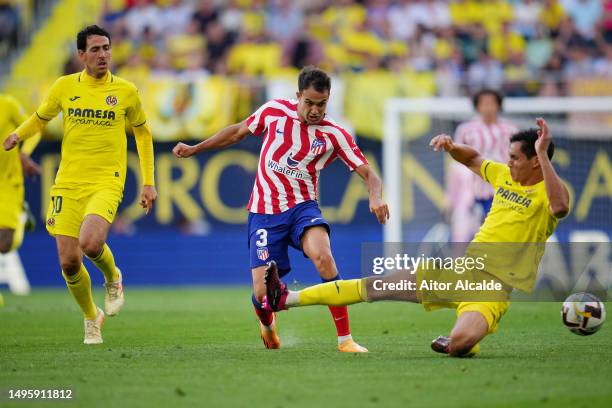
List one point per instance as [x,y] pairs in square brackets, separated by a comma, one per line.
[201,347]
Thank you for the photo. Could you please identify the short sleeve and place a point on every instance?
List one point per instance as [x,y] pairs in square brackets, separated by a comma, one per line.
[257,121]
[51,106]
[490,171]
[348,151]
[135,114]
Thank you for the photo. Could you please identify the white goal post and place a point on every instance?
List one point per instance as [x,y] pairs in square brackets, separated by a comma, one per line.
[392,139]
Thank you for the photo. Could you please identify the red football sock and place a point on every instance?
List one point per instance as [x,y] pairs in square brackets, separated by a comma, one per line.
[341,319]
[265,317]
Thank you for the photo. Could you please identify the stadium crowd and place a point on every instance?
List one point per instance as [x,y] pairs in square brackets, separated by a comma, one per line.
[10,26]
[524,47]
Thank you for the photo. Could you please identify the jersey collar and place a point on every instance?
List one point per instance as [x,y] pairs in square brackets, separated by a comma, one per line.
[88,79]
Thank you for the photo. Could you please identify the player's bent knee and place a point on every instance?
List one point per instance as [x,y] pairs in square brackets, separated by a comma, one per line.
[6,241]
[5,247]
[91,247]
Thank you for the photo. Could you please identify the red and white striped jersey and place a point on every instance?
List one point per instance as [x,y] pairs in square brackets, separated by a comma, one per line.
[491,141]
[292,155]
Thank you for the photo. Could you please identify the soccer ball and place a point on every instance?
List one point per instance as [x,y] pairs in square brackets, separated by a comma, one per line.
[583,313]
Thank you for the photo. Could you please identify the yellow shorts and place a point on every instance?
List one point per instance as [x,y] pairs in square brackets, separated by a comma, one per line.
[11,206]
[67,208]
[491,311]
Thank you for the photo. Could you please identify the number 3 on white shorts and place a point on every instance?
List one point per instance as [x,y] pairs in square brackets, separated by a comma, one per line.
[263,237]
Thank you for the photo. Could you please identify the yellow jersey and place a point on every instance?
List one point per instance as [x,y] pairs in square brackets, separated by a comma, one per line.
[11,115]
[518,213]
[95,112]
[521,220]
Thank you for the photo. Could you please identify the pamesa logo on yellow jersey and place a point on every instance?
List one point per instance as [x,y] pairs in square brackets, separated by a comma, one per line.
[88,116]
[513,197]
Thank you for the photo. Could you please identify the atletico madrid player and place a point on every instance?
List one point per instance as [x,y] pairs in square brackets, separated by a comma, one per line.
[299,140]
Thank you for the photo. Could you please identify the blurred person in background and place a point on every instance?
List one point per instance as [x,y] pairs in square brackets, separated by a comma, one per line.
[579,63]
[218,44]
[585,14]
[551,16]
[14,165]
[206,12]
[469,198]
[539,48]
[605,24]
[526,16]
[517,75]
[144,13]
[177,17]
[603,65]
[284,20]
[302,50]
[9,26]
[487,72]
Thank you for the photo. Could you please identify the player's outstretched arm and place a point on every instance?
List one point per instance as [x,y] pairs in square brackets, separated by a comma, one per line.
[31,127]
[224,138]
[557,193]
[464,154]
[378,207]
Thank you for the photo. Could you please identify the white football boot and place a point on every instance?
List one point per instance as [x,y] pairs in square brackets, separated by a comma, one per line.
[113,298]
[93,328]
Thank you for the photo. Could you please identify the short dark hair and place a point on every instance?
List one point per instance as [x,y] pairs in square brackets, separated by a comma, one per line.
[488,91]
[86,32]
[315,77]
[527,139]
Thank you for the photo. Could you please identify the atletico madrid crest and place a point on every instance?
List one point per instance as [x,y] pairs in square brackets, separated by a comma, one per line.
[318,146]
[262,253]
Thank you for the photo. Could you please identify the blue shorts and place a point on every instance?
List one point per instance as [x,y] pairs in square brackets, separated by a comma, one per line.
[271,234]
[485,205]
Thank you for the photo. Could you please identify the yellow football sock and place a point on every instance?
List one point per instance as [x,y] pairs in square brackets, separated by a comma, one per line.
[79,286]
[335,293]
[106,263]
[18,234]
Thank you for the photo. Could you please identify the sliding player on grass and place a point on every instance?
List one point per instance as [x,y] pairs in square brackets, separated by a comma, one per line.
[89,183]
[528,173]
[299,140]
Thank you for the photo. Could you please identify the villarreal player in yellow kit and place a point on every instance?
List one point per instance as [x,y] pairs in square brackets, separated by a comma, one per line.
[529,200]
[13,164]
[96,106]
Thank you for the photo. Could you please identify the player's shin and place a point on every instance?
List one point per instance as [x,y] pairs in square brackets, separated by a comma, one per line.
[105,261]
[340,315]
[18,235]
[265,317]
[336,293]
[79,286]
